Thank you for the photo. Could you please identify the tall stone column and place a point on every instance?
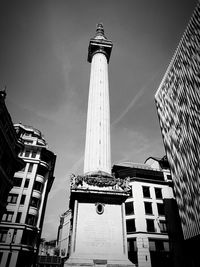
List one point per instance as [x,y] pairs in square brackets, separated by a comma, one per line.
[97,198]
[97,148]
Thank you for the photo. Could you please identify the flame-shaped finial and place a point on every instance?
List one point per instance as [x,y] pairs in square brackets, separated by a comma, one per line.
[100,28]
[100,32]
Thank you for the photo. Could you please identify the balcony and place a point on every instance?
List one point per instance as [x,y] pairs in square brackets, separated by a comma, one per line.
[36,194]
[40,178]
[33,211]
[44,164]
[42,168]
[41,142]
[49,260]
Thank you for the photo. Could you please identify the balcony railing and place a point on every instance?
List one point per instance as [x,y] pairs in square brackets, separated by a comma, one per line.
[49,259]
[36,194]
[40,178]
[33,211]
[44,164]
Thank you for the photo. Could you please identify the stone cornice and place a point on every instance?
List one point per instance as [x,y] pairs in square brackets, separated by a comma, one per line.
[100,180]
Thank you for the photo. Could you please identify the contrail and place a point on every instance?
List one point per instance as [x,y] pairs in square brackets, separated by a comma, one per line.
[79,162]
[134,100]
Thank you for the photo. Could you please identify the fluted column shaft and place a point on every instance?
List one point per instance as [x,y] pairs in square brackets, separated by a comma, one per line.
[97,148]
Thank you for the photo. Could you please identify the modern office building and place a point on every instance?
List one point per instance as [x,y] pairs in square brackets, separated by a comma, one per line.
[21,225]
[9,150]
[146,218]
[178,105]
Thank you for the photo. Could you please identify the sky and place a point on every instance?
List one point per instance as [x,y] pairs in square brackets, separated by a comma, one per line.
[43,63]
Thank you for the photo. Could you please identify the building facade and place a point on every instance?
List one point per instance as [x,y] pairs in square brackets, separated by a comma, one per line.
[21,225]
[146,218]
[64,234]
[48,254]
[178,105]
[10,147]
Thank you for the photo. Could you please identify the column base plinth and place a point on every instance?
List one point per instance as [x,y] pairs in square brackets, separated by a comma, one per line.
[78,261]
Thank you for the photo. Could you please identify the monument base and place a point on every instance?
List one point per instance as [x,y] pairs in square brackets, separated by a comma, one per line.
[99,233]
[83,261]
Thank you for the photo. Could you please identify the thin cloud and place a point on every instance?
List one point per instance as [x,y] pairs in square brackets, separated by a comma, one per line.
[62,184]
[139,94]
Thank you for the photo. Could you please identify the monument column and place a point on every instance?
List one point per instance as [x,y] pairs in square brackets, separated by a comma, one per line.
[97,198]
[97,148]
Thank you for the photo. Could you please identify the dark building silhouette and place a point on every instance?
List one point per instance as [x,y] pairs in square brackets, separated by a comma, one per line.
[21,224]
[10,146]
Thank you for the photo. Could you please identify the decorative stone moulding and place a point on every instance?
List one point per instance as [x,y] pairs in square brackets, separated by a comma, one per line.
[100,179]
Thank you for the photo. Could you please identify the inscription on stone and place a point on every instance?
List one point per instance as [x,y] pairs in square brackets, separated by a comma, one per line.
[99,233]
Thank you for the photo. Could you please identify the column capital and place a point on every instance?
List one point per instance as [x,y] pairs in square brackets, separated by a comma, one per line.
[99,44]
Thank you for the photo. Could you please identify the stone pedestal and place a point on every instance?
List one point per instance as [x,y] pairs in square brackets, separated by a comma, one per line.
[99,233]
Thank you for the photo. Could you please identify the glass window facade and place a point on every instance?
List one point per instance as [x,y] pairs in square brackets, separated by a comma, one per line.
[177,102]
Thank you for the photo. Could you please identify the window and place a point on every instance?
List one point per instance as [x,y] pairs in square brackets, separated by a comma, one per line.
[131,193]
[3,234]
[38,186]
[158,245]
[7,217]
[129,208]
[29,238]
[161,210]
[166,245]
[130,226]
[158,193]
[22,199]
[148,208]
[152,245]
[34,153]
[30,168]
[99,208]
[132,250]
[131,245]
[26,184]
[28,142]
[27,134]
[19,215]
[8,259]
[150,225]
[12,198]
[31,220]
[14,235]
[27,153]
[169,177]
[35,202]
[1,255]
[163,226]
[146,191]
[17,182]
